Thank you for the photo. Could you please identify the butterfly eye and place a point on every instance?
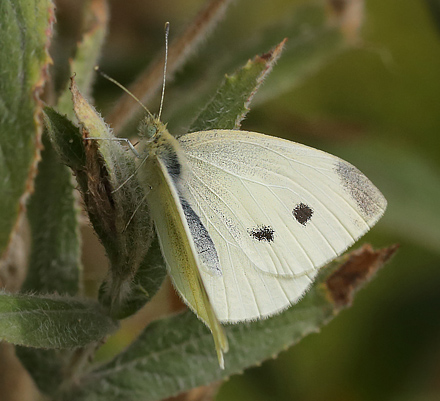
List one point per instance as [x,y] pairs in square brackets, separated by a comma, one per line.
[151,131]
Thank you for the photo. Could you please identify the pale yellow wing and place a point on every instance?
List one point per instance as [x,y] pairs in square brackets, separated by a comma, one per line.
[178,247]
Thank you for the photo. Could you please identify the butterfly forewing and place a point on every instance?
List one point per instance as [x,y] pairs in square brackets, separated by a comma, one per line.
[276,211]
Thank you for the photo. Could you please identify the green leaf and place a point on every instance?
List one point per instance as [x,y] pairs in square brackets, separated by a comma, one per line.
[314,39]
[87,53]
[55,254]
[44,365]
[25,31]
[116,204]
[314,36]
[231,102]
[55,257]
[146,282]
[151,272]
[51,322]
[176,354]
[53,213]
[66,139]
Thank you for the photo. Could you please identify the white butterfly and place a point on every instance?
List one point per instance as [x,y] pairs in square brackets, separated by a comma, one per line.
[246,220]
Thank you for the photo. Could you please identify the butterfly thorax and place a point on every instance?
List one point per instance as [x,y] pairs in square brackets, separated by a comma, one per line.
[158,143]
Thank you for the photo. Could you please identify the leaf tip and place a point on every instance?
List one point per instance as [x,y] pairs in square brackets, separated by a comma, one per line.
[361,265]
[274,53]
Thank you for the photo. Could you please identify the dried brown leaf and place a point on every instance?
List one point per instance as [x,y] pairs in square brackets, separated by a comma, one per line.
[361,265]
[202,393]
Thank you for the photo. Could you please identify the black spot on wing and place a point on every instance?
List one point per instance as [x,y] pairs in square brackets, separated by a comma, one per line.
[203,242]
[262,233]
[302,213]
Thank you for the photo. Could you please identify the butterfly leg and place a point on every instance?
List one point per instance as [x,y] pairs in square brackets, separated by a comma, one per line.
[127,141]
[132,175]
[134,213]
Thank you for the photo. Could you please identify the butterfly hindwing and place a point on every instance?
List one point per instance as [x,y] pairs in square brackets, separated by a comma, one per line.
[182,237]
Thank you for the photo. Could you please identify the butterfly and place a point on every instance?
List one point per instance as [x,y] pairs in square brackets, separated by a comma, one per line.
[246,220]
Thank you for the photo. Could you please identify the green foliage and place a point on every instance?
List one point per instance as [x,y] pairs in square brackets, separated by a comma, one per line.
[145,283]
[54,264]
[230,104]
[67,140]
[313,39]
[25,29]
[88,50]
[173,355]
[57,334]
[51,322]
[55,254]
[46,366]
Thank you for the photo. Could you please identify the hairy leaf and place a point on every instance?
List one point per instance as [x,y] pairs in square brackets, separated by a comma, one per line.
[55,248]
[66,139]
[146,282]
[115,202]
[231,102]
[176,354]
[25,31]
[51,321]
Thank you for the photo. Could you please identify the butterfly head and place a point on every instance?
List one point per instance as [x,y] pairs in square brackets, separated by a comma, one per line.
[151,128]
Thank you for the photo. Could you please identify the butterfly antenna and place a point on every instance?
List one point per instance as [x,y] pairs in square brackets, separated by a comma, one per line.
[103,74]
[167,33]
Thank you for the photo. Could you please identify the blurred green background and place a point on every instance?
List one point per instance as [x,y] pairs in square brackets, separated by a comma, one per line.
[377,106]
